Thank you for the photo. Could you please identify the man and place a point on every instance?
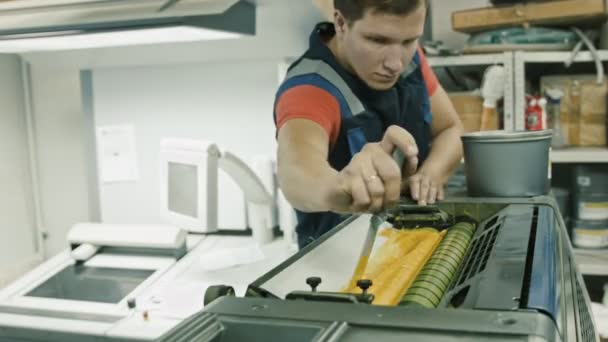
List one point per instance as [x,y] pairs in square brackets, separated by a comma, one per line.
[362,90]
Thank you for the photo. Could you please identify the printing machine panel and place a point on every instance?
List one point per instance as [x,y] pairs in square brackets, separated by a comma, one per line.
[517,281]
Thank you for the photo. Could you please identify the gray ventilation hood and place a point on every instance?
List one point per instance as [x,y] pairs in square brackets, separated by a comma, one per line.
[34,25]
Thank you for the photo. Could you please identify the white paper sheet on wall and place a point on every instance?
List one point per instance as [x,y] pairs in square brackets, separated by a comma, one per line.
[116,153]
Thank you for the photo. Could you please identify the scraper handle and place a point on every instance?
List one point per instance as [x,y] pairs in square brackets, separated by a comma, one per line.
[399,158]
[401,161]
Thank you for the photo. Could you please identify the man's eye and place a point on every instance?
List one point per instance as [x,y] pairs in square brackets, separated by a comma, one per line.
[377,40]
[409,42]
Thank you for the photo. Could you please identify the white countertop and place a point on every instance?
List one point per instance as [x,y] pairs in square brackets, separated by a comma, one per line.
[180,292]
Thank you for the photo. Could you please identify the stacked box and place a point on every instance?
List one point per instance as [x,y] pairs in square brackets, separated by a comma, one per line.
[583,108]
[469,106]
[590,206]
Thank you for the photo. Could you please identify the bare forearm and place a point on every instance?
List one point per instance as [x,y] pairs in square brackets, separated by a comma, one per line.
[446,153]
[305,176]
[305,180]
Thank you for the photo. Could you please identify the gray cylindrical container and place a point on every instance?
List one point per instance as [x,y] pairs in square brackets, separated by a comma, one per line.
[591,206]
[507,164]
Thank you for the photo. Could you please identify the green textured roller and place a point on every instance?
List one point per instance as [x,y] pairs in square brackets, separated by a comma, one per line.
[430,285]
[418,299]
[447,261]
[441,277]
[466,227]
[437,263]
[459,238]
[433,280]
[433,294]
[462,232]
[453,255]
[457,242]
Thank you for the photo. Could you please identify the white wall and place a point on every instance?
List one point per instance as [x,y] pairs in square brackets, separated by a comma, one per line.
[181,88]
[227,103]
[61,152]
[168,89]
[164,85]
[17,231]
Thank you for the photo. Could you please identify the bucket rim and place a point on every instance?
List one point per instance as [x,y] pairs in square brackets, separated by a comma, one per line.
[507,136]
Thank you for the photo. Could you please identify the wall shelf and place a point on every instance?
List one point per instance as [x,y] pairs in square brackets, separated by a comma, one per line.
[580,155]
[504,58]
[521,58]
[514,100]
[469,60]
[559,56]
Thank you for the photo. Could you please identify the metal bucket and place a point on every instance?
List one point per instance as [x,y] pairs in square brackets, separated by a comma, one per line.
[507,164]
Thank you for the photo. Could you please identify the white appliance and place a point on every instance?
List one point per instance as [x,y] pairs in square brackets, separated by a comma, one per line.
[260,203]
[90,286]
[188,184]
[139,281]
[189,174]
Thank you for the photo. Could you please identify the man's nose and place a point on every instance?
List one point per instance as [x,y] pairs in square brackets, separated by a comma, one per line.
[393,61]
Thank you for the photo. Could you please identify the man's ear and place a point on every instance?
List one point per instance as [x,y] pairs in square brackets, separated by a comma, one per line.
[339,22]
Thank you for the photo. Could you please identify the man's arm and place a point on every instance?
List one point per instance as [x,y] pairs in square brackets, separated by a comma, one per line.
[370,182]
[302,165]
[446,151]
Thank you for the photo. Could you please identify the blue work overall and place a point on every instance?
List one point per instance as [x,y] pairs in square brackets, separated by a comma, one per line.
[365,113]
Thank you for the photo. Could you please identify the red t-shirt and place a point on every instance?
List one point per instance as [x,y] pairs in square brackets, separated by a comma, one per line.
[318,105]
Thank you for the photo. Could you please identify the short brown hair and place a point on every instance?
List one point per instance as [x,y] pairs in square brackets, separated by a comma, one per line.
[353,10]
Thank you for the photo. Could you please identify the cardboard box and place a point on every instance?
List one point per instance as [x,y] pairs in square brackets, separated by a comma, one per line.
[582,109]
[563,12]
[469,107]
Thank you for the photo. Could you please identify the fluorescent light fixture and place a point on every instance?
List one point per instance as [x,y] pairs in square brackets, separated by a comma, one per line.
[75,40]
[34,25]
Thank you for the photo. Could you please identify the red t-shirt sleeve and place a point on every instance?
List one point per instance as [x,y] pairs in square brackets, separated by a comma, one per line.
[311,103]
[429,76]
[318,105]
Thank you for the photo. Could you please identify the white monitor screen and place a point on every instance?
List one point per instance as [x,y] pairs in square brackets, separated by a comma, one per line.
[183,189]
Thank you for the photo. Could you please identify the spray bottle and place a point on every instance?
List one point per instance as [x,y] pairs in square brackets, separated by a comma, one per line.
[555,96]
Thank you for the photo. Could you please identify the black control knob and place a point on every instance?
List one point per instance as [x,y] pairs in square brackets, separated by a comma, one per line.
[364,284]
[131,303]
[313,282]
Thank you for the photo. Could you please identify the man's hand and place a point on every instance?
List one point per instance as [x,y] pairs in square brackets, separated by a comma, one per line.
[425,188]
[372,179]
[426,185]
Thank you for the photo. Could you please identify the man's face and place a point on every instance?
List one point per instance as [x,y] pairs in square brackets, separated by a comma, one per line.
[379,47]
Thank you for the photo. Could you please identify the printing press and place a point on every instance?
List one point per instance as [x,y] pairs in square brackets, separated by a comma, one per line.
[479,269]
